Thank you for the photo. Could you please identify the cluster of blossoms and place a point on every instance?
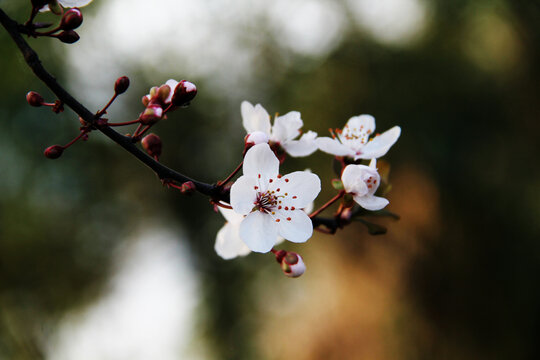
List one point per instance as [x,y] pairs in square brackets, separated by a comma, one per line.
[263,207]
[266,207]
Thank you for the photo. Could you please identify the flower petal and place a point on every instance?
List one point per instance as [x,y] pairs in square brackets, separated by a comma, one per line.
[228,242]
[298,188]
[231,215]
[298,229]
[379,145]
[364,123]
[305,146]
[370,202]
[261,163]
[255,118]
[353,179]
[172,84]
[287,127]
[333,146]
[259,231]
[243,194]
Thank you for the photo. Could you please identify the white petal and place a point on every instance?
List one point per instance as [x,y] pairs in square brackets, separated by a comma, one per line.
[353,179]
[380,145]
[259,231]
[305,146]
[370,202]
[364,123]
[231,215]
[333,146]
[243,194]
[228,242]
[373,164]
[73,3]
[298,229]
[287,127]
[257,137]
[172,84]
[301,187]
[261,163]
[255,118]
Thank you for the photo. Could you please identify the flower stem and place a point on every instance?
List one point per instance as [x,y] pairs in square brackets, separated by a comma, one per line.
[330,202]
[124,123]
[104,110]
[74,140]
[232,174]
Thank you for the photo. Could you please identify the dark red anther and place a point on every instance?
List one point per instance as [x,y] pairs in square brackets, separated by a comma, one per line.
[68,36]
[34,99]
[54,151]
[72,19]
[152,144]
[121,85]
[184,92]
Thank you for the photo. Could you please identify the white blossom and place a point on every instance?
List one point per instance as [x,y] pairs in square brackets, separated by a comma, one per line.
[272,203]
[362,182]
[354,140]
[284,131]
[69,3]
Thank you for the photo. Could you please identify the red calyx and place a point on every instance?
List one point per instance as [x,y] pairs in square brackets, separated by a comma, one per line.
[72,19]
[121,85]
[152,144]
[54,151]
[34,99]
[184,92]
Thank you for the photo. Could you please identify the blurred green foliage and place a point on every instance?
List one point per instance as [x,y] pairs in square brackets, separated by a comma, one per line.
[471,126]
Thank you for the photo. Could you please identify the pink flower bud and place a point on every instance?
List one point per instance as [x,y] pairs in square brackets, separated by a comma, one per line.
[293,265]
[145,100]
[72,19]
[68,36]
[188,188]
[256,137]
[53,152]
[152,144]
[121,85]
[34,99]
[184,92]
[151,114]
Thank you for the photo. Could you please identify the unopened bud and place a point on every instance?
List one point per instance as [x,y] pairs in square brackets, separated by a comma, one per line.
[121,85]
[72,19]
[256,137]
[163,93]
[345,216]
[293,265]
[184,92]
[152,144]
[145,100]
[68,36]
[188,188]
[34,99]
[151,114]
[53,152]
[55,7]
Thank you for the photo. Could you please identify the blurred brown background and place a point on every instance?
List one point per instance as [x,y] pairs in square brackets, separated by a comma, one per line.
[99,261]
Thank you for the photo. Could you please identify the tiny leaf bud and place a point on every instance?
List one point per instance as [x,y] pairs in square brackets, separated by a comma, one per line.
[72,19]
[188,188]
[293,265]
[337,184]
[184,92]
[121,85]
[53,152]
[256,137]
[152,144]
[151,114]
[34,99]
[68,36]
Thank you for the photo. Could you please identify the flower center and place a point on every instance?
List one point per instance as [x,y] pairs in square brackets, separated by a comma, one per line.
[266,201]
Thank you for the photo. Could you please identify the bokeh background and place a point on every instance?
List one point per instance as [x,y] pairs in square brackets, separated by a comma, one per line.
[99,261]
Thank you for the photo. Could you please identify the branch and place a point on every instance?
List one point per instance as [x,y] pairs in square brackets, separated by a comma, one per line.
[163,172]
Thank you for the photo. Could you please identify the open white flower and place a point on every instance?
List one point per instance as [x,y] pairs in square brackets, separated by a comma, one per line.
[286,128]
[228,243]
[354,141]
[362,181]
[273,203]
